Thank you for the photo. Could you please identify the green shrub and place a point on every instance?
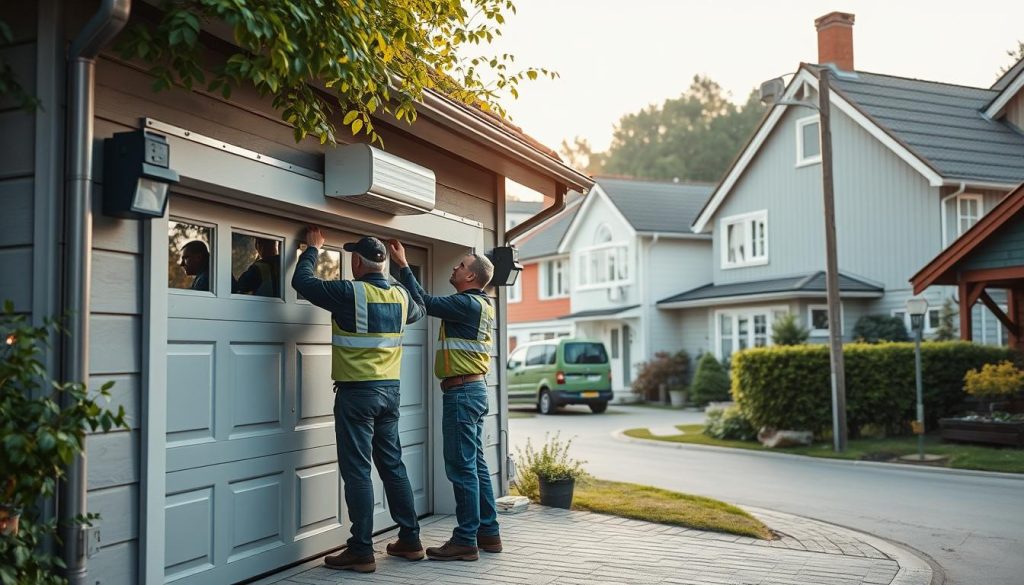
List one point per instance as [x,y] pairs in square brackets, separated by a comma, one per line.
[711,382]
[552,462]
[787,331]
[790,387]
[947,315]
[878,328]
[729,423]
[994,380]
[665,368]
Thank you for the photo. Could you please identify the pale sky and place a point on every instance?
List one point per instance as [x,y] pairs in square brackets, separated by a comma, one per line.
[616,57]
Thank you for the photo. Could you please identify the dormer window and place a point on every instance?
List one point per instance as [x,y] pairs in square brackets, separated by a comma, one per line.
[808,141]
[744,239]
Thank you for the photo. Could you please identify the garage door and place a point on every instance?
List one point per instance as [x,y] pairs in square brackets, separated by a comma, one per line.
[252,481]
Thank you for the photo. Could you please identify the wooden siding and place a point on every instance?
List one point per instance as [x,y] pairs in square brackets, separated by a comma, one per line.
[532,307]
[882,205]
[1015,111]
[1002,249]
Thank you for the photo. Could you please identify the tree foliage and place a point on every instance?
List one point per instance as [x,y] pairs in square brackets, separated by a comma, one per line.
[711,382]
[946,330]
[693,137]
[1016,54]
[787,331]
[369,56]
[878,328]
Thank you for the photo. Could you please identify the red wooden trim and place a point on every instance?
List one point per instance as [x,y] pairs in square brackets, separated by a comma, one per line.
[1007,322]
[937,271]
[1014,306]
[965,314]
[993,274]
[975,290]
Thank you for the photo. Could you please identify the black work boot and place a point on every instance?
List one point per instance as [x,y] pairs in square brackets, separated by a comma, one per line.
[491,544]
[450,551]
[347,561]
[407,550]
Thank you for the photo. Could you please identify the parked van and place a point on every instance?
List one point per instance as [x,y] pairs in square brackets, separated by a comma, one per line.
[555,372]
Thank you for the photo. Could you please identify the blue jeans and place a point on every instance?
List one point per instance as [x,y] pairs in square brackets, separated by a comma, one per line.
[366,426]
[462,425]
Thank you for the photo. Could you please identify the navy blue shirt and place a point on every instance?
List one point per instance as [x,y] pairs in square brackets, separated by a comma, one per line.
[337,297]
[459,313]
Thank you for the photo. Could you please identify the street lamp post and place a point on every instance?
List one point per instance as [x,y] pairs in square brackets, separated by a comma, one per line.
[771,91]
[916,308]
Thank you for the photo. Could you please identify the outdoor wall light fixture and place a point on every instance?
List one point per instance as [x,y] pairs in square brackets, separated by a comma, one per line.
[136,175]
[506,265]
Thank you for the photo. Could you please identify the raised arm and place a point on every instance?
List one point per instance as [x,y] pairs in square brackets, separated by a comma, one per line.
[456,308]
[326,294]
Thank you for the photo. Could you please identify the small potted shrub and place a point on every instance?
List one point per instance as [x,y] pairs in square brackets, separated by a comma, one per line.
[662,378]
[42,428]
[548,475]
[989,384]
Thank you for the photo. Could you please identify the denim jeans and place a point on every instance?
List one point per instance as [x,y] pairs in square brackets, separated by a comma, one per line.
[462,426]
[366,426]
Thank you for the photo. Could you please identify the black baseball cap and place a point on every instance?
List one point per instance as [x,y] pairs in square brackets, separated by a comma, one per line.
[368,247]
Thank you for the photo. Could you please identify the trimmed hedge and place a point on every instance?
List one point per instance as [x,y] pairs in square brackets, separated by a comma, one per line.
[790,387]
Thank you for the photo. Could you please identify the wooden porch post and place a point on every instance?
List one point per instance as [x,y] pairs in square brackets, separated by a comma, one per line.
[966,327]
[1015,308]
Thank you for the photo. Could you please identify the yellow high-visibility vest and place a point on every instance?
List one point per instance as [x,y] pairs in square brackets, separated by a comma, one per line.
[459,357]
[361,356]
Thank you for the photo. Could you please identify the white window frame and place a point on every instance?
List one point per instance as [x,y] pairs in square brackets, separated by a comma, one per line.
[748,221]
[824,332]
[980,200]
[542,282]
[583,261]
[801,160]
[927,320]
[515,292]
[749,312]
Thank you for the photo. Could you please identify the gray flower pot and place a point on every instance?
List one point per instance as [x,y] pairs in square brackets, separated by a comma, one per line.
[558,493]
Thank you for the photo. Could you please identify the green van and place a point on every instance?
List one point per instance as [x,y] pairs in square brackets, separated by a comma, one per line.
[555,372]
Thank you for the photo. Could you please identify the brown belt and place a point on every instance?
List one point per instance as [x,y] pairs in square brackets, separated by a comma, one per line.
[448,383]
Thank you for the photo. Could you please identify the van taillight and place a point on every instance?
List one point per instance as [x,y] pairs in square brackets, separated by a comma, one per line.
[609,376]
[560,377]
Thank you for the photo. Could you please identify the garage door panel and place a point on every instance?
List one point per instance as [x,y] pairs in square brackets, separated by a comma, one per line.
[189,530]
[257,519]
[314,396]
[219,452]
[257,388]
[190,392]
[318,503]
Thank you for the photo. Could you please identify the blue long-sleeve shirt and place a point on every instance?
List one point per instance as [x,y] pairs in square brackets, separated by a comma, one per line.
[459,313]
[337,297]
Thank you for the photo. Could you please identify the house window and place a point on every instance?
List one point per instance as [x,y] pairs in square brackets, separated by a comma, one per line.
[604,264]
[808,141]
[515,292]
[554,279]
[968,212]
[739,330]
[817,319]
[745,240]
[191,254]
[931,322]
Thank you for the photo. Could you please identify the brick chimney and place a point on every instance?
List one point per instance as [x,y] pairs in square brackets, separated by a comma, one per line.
[835,39]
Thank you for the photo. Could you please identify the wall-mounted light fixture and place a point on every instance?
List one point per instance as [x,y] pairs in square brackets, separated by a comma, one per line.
[137,175]
[506,265]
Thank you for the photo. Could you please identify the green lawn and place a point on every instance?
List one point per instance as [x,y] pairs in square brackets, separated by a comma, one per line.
[650,504]
[959,456]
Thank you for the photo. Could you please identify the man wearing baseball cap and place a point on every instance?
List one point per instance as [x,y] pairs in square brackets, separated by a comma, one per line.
[368,316]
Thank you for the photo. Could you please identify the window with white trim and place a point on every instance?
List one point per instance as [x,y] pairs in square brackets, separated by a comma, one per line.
[968,212]
[739,330]
[744,240]
[515,292]
[604,264]
[554,279]
[817,319]
[808,141]
[931,323]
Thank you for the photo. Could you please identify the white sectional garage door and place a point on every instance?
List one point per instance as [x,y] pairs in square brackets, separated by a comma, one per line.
[252,482]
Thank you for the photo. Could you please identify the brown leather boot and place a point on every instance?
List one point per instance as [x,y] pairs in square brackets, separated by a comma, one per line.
[491,544]
[450,551]
[412,551]
[347,561]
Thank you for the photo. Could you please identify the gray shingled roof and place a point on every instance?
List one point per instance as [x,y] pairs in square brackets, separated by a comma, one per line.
[598,312]
[652,206]
[943,124]
[1008,77]
[813,282]
[544,240]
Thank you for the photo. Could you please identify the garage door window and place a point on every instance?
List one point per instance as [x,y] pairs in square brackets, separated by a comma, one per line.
[190,264]
[256,265]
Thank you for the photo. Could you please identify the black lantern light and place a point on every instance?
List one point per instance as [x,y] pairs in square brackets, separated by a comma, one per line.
[506,265]
[137,175]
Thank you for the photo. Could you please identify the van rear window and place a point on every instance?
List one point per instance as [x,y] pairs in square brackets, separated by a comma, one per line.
[585,353]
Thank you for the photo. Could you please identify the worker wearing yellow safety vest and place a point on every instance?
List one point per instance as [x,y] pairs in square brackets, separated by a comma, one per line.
[368,316]
[461,362]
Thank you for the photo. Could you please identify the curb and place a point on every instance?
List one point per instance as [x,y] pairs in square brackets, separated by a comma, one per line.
[620,435]
[916,567]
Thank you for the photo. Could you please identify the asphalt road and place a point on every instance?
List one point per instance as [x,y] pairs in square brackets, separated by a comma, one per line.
[972,526]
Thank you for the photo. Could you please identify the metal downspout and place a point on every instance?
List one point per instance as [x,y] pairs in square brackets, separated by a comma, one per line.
[544,215]
[100,30]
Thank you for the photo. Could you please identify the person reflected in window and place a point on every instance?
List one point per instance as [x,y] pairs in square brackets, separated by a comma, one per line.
[195,259]
[263,276]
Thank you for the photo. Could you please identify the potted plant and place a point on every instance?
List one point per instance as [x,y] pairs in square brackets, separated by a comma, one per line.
[548,475]
[989,384]
[42,428]
[664,374]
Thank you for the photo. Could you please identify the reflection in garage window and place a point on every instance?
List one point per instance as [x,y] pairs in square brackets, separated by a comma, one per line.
[255,265]
[328,263]
[188,255]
